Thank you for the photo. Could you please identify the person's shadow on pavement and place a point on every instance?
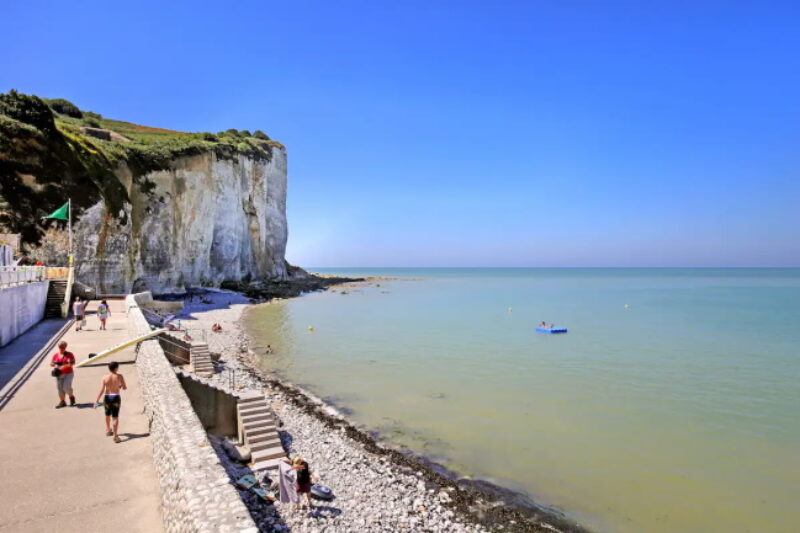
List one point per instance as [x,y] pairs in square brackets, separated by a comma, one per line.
[130,436]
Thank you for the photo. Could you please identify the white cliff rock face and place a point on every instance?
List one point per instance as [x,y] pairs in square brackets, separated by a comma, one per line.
[203,221]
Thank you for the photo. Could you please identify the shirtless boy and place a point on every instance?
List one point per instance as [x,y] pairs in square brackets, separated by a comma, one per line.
[111,385]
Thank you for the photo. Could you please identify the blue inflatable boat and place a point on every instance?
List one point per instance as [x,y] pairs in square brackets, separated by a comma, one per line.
[540,329]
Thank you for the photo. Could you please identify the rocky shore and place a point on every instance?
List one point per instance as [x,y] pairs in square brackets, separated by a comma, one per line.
[376,488]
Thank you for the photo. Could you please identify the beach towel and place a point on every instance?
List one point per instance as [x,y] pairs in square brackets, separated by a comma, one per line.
[286,480]
[247,481]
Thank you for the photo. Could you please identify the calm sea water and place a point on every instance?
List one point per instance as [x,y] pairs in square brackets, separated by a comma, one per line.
[679,412]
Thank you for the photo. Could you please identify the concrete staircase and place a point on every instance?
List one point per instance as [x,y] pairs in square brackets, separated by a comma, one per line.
[55,297]
[258,431]
[200,359]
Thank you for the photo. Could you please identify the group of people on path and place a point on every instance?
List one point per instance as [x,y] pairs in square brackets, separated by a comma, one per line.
[79,310]
[111,386]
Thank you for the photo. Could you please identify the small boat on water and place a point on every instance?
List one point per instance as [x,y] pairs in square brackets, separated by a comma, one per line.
[540,329]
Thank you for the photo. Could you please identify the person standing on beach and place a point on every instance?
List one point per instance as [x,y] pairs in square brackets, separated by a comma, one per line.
[110,388]
[303,479]
[287,483]
[62,362]
[102,313]
[79,310]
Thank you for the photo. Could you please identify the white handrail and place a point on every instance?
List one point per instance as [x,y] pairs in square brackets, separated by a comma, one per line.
[68,293]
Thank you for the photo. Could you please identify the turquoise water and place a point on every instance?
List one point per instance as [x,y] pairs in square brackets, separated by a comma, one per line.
[679,412]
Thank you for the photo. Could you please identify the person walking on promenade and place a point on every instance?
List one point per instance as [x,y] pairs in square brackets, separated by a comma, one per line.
[110,388]
[63,372]
[79,310]
[102,313]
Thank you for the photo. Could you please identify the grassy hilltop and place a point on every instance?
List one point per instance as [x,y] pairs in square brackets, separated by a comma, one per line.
[51,150]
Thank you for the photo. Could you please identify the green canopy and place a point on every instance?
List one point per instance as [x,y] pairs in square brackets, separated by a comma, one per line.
[61,213]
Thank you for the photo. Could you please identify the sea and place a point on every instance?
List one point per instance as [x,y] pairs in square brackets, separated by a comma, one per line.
[672,404]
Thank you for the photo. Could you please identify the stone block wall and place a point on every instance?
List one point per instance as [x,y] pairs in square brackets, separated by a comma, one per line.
[178,351]
[215,407]
[196,493]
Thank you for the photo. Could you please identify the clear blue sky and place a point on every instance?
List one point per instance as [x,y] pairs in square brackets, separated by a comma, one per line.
[494,133]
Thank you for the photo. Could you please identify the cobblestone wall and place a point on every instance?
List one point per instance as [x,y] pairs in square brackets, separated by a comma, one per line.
[196,493]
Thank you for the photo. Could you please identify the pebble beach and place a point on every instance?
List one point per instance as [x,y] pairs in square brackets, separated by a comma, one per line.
[376,488]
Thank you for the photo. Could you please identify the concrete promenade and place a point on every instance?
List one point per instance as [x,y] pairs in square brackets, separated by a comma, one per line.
[58,470]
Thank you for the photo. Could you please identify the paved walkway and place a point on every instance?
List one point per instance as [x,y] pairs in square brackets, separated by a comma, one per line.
[58,470]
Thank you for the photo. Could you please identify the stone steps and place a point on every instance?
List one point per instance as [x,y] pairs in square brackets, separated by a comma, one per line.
[262,417]
[56,293]
[259,432]
[200,359]
[269,442]
[269,464]
[264,454]
[258,429]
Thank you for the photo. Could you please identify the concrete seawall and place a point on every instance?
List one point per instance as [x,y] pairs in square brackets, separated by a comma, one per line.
[21,307]
[196,492]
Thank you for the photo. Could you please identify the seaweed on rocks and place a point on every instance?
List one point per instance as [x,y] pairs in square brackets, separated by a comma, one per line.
[267,289]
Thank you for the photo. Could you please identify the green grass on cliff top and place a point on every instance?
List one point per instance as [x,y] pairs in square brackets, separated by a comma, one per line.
[145,148]
[161,141]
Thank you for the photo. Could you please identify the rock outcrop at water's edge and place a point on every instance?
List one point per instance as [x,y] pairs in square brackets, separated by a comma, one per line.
[203,221]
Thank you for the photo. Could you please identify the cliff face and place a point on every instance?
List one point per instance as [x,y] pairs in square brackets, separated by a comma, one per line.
[152,208]
[202,221]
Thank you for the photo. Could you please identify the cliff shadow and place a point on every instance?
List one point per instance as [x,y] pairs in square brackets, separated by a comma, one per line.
[203,300]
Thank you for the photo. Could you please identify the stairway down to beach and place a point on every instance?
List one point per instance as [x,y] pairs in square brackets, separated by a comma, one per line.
[259,432]
[200,359]
[55,297]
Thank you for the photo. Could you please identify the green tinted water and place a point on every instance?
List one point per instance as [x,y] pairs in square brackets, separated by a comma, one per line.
[677,413]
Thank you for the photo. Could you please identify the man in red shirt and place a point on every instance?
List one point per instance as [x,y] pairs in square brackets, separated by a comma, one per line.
[63,361]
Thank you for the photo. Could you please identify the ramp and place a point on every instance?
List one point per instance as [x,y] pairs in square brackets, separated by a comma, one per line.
[121,346]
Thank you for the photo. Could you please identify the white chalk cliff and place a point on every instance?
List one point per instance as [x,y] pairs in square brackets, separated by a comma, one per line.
[203,221]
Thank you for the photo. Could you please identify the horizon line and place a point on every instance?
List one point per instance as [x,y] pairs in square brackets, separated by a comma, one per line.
[585,267]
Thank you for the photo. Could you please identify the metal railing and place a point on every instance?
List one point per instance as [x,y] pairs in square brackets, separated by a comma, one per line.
[231,377]
[17,275]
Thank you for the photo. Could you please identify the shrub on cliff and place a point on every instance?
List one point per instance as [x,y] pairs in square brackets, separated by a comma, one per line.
[65,107]
[258,134]
[28,109]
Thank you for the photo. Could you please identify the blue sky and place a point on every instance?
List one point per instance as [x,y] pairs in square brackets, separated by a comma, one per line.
[498,133]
